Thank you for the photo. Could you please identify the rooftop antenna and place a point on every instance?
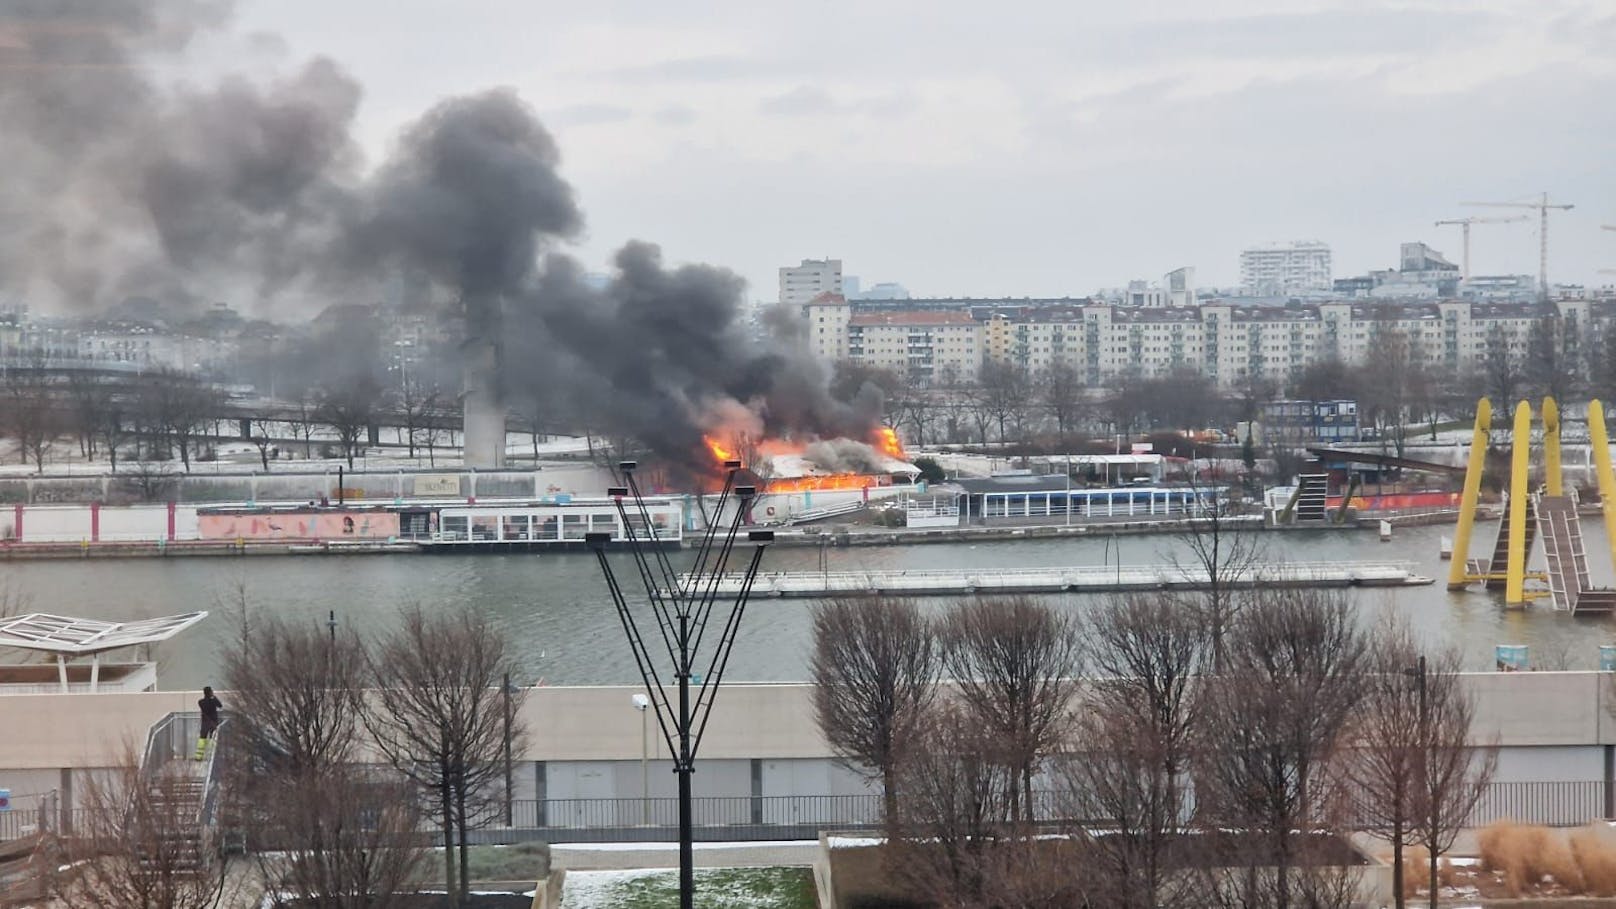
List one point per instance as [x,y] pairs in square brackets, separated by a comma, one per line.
[682,607]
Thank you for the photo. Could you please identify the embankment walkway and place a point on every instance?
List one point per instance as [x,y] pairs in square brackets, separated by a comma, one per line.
[1084,579]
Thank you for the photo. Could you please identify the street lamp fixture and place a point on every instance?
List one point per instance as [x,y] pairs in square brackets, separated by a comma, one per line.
[642,704]
[677,611]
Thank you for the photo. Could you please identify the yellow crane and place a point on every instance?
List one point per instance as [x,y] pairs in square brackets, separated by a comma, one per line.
[1542,205]
[1465,223]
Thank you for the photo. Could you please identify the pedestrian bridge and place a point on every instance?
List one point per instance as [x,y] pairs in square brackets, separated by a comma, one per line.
[1076,579]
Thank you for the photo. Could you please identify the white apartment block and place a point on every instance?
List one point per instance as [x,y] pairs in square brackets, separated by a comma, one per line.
[802,283]
[825,319]
[1301,266]
[1229,344]
[943,346]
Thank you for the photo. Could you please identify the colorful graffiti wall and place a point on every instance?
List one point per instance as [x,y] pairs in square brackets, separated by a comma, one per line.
[323,525]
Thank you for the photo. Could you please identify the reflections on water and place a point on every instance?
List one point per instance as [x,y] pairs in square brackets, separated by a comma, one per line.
[555,605]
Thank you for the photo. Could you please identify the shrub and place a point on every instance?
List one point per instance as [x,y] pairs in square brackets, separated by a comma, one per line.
[1526,855]
[1595,852]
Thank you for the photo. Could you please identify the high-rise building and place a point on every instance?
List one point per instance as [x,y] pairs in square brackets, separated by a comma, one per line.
[800,284]
[1298,267]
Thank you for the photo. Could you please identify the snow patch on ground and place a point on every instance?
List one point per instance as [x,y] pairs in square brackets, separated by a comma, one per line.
[670,847]
[728,888]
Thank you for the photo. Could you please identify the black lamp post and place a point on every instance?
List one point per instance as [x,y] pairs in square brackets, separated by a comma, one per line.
[681,606]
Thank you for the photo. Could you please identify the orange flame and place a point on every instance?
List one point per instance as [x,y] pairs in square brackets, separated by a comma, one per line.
[816,484]
[886,441]
[719,451]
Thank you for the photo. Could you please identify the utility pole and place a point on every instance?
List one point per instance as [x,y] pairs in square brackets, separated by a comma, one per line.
[505,692]
[1542,205]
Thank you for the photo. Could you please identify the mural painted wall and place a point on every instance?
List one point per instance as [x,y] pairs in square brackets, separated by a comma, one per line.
[324,525]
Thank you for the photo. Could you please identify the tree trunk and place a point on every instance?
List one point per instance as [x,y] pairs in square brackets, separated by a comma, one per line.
[1398,899]
[460,833]
[448,839]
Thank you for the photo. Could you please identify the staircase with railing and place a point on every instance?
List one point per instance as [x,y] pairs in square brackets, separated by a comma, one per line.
[179,794]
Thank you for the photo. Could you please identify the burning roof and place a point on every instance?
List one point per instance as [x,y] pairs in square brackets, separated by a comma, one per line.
[785,465]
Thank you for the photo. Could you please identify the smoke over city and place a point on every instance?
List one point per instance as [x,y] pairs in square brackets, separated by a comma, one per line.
[255,191]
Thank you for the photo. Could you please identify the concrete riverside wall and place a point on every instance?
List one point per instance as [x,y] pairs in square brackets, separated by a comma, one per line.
[564,724]
[586,743]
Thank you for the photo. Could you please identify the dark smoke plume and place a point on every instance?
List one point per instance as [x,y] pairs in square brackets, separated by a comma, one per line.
[661,355]
[119,185]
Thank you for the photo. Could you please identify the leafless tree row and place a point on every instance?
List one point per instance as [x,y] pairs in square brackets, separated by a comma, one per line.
[430,697]
[1176,774]
[336,758]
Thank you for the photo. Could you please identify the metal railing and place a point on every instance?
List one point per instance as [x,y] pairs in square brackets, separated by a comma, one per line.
[744,818]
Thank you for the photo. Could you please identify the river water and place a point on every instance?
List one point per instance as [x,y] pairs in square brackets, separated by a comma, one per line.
[556,610]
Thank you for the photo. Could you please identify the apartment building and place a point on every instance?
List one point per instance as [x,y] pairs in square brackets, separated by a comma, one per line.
[1231,344]
[801,283]
[825,318]
[925,345]
[1301,266]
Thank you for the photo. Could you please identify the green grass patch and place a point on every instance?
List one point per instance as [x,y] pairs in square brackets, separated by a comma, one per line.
[716,888]
[519,862]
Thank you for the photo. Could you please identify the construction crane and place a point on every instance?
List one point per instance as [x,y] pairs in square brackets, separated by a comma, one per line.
[1465,223]
[1542,205]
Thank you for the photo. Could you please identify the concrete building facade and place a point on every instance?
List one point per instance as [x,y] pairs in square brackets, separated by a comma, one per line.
[932,340]
[802,283]
[1549,727]
[1298,267]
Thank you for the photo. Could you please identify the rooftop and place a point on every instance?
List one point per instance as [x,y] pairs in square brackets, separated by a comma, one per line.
[907,317]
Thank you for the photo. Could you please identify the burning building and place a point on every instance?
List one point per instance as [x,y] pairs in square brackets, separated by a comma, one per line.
[786,467]
[255,188]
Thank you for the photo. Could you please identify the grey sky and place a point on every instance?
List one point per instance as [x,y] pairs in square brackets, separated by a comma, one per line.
[1029,148]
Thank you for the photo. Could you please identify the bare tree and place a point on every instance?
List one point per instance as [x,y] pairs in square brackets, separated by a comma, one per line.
[31,415]
[1390,375]
[344,838]
[1220,545]
[261,433]
[875,666]
[175,410]
[1003,392]
[349,408]
[1064,397]
[1269,759]
[1012,659]
[150,481]
[1552,365]
[88,397]
[1127,403]
[112,426]
[418,405]
[135,843]
[1452,770]
[1134,740]
[1327,379]
[297,692]
[439,716]
[1386,762]
[955,840]
[338,836]
[1501,368]
[307,403]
